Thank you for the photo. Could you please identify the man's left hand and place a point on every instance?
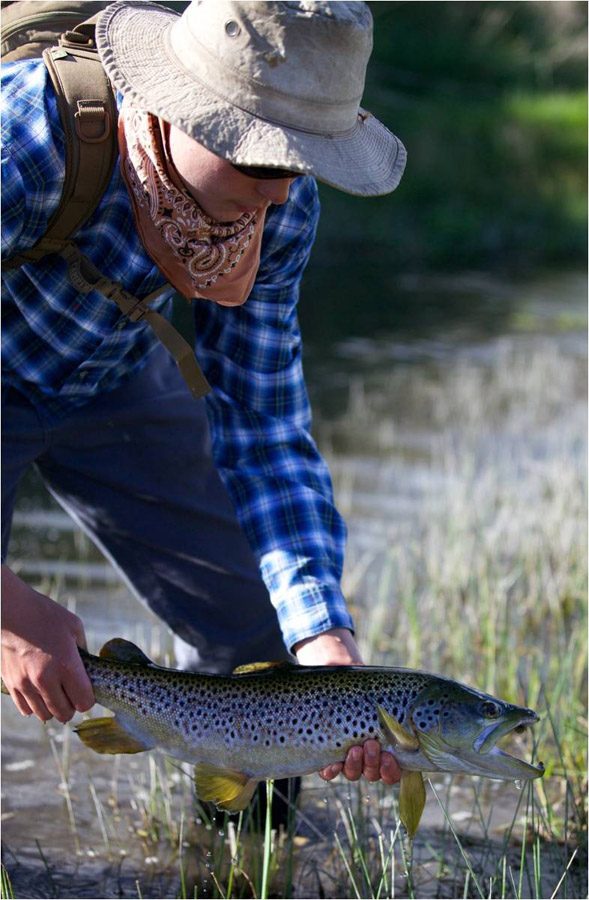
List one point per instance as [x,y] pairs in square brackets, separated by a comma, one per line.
[338,648]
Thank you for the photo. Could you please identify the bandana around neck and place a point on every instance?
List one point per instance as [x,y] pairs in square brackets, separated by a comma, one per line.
[199,257]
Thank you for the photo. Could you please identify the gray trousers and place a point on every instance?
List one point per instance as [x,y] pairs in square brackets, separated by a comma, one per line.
[134,467]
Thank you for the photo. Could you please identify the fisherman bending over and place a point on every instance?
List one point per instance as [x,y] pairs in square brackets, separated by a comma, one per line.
[227,116]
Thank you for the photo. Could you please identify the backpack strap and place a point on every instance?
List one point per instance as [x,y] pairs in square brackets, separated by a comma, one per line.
[88,114]
[85,277]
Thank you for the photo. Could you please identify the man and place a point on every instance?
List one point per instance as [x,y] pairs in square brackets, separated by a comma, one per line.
[227,116]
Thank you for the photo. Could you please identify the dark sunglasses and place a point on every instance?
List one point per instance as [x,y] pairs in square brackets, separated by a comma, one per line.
[265,172]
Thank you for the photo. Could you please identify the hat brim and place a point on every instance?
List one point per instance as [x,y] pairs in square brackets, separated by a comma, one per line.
[134,45]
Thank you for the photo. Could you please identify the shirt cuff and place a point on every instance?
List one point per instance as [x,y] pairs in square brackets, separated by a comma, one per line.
[306,605]
[310,617]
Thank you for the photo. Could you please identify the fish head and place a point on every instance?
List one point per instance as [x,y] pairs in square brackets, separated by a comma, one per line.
[458,729]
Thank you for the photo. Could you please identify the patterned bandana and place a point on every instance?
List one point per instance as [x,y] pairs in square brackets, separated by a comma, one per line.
[199,257]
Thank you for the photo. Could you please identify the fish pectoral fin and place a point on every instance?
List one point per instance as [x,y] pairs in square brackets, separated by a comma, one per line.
[248,668]
[225,788]
[107,735]
[398,736]
[411,800]
[124,651]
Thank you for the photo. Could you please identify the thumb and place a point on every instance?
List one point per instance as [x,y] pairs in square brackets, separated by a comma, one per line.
[79,633]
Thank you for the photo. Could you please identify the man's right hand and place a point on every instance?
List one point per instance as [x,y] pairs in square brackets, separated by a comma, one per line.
[41,666]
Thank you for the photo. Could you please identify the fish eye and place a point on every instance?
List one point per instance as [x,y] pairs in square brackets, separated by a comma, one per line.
[491,710]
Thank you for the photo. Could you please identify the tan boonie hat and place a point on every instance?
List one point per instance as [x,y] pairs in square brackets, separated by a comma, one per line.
[259,83]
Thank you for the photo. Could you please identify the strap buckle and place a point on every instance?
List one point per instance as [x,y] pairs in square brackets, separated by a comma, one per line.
[92,121]
[133,308]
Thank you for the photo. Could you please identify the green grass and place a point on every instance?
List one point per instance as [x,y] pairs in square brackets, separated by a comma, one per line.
[5,885]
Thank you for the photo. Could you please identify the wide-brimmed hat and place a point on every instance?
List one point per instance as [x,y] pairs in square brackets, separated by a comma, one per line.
[259,83]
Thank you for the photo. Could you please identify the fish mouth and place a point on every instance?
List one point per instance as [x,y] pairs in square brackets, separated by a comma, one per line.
[495,760]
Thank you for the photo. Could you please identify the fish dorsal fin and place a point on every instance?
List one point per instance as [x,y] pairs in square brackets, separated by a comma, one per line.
[398,735]
[226,788]
[411,800]
[248,668]
[124,651]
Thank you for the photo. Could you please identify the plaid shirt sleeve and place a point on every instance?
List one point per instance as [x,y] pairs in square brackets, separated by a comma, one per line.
[260,421]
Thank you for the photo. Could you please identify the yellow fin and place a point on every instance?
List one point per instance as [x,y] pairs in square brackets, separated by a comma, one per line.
[124,651]
[107,735]
[225,788]
[411,800]
[248,668]
[398,735]
[3,688]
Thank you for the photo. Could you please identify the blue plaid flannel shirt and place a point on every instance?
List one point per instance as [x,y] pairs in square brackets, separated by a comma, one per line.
[60,348]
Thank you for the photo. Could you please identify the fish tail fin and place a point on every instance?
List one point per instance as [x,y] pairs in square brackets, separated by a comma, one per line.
[108,735]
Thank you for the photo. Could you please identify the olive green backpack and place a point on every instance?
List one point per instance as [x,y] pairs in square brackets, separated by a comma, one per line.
[63,34]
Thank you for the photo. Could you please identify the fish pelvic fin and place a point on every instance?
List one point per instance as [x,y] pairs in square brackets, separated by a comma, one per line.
[225,788]
[249,668]
[398,736]
[124,651]
[411,800]
[107,735]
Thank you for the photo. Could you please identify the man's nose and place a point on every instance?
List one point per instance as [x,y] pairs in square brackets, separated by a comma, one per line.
[275,190]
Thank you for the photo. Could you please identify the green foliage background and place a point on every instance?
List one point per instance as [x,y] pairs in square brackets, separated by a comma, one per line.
[490,99]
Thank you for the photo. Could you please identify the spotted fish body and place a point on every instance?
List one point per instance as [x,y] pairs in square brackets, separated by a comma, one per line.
[280,720]
[276,723]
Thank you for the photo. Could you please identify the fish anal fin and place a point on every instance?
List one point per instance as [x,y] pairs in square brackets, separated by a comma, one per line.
[241,801]
[249,668]
[226,788]
[107,735]
[398,735]
[411,800]
[124,651]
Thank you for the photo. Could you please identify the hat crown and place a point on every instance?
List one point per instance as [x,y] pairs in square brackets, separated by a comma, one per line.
[299,64]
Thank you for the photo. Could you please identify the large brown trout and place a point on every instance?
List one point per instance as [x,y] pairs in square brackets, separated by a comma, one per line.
[277,720]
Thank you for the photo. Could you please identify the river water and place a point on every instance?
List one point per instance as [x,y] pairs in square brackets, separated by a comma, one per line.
[399,391]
